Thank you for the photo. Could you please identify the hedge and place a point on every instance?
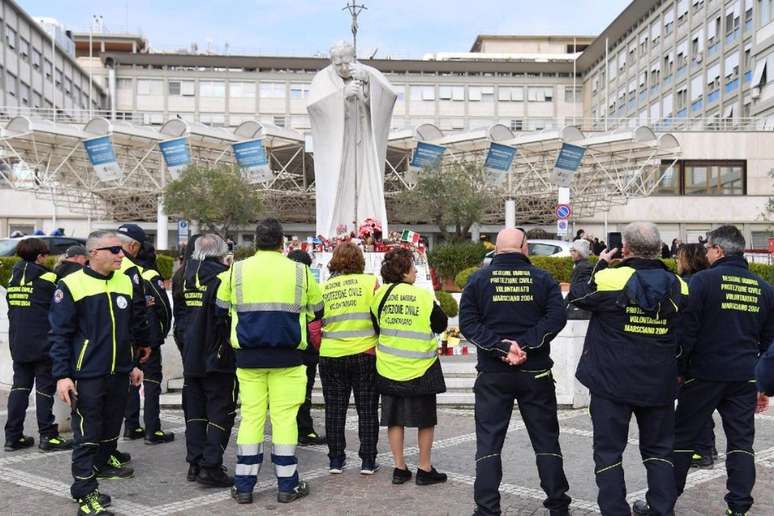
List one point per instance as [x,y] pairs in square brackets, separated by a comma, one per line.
[448,303]
[449,259]
[165,264]
[461,279]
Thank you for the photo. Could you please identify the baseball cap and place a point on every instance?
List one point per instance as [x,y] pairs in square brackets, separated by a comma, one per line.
[75,250]
[133,231]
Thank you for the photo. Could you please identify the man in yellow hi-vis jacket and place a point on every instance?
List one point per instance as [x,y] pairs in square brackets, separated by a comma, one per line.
[270,299]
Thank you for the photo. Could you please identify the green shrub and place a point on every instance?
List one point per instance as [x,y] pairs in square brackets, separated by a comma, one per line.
[764,271]
[449,259]
[165,264]
[6,266]
[461,279]
[560,268]
[242,252]
[448,303]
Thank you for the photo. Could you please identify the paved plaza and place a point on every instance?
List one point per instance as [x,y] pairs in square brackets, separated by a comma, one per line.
[37,483]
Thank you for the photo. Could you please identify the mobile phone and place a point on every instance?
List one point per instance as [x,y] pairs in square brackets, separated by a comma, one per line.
[230,247]
[615,241]
[73,399]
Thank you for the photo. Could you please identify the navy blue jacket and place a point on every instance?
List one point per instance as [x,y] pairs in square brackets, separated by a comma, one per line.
[94,320]
[764,372]
[29,294]
[158,309]
[207,347]
[512,299]
[631,347]
[729,322]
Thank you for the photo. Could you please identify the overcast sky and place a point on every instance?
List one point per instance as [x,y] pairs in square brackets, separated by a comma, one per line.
[397,28]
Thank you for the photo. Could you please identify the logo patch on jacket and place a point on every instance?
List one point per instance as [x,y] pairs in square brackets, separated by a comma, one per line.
[136,279]
[58,296]
[121,302]
[150,301]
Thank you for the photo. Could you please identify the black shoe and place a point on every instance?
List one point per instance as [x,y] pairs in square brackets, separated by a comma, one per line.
[214,477]
[160,437]
[311,440]
[301,490]
[400,476]
[426,478]
[369,467]
[22,442]
[641,508]
[337,465]
[730,512]
[104,500]
[122,457]
[55,443]
[131,434]
[90,505]
[241,496]
[193,472]
[702,461]
[113,470]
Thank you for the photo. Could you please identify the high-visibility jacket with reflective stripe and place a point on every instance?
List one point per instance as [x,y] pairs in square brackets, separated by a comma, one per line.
[92,318]
[270,299]
[407,347]
[347,326]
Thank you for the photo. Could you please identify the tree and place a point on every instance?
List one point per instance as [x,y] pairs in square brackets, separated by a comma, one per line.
[452,194]
[219,198]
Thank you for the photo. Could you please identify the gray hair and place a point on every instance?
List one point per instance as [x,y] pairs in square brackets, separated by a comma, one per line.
[643,239]
[340,46]
[209,245]
[728,238]
[92,242]
[126,239]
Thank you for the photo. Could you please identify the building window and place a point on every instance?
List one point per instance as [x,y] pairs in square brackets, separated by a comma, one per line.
[667,179]
[10,84]
[10,37]
[451,93]
[181,88]
[517,124]
[58,78]
[279,121]
[766,10]
[299,91]
[24,50]
[573,94]
[540,94]
[212,89]
[422,93]
[148,87]
[24,94]
[36,57]
[760,239]
[481,93]
[272,90]
[124,84]
[241,90]
[510,94]
[68,86]
[716,177]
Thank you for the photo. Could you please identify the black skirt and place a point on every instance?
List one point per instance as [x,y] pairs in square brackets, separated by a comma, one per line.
[413,411]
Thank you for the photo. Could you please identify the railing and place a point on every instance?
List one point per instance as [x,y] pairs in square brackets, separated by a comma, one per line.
[679,122]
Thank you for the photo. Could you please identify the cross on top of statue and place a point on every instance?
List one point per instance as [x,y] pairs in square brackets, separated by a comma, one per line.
[354,11]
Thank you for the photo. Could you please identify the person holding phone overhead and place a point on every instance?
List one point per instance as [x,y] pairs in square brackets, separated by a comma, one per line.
[95,316]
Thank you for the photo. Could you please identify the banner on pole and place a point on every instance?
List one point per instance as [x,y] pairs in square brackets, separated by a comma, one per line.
[567,162]
[103,158]
[176,154]
[251,158]
[498,161]
[427,155]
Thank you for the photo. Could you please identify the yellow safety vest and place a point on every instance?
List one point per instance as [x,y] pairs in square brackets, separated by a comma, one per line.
[347,327]
[407,347]
[271,299]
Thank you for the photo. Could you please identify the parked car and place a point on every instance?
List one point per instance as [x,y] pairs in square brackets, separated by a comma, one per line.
[56,244]
[556,248]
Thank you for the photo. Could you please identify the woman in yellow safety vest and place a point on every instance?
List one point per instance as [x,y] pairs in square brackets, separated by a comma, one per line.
[409,374]
[347,357]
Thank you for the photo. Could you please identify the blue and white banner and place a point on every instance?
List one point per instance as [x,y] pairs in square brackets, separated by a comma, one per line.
[427,155]
[567,162]
[252,159]
[177,156]
[498,161]
[103,158]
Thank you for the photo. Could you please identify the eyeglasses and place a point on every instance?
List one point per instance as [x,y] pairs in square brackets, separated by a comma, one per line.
[114,249]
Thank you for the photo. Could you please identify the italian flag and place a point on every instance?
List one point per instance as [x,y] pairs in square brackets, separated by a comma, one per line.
[410,236]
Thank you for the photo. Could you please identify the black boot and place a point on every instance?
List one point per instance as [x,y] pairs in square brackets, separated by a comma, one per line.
[641,508]
[54,443]
[400,476]
[160,437]
[90,505]
[241,497]
[130,434]
[122,457]
[193,472]
[214,477]
[300,491]
[22,442]
[113,470]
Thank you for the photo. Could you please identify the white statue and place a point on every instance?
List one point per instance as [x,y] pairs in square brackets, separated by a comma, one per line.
[350,107]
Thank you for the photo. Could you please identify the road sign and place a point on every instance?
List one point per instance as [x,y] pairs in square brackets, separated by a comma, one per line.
[561,227]
[183,230]
[563,211]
